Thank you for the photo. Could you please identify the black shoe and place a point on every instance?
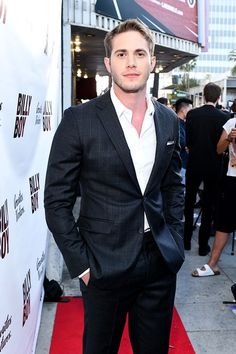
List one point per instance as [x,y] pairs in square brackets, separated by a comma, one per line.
[233,289]
[204,251]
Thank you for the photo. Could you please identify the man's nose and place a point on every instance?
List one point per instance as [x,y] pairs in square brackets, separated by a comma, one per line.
[131,60]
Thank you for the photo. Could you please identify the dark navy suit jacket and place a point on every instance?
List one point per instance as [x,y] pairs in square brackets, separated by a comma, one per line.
[89,148]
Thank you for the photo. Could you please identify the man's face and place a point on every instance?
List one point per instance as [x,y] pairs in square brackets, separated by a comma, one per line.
[130,63]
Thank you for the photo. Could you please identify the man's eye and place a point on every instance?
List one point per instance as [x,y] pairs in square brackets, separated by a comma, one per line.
[140,54]
[121,55]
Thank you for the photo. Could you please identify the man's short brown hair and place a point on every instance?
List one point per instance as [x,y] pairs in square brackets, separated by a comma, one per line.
[126,26]
[211,92]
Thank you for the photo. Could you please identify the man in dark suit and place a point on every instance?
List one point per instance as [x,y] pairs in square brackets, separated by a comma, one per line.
[123,148]
[203,129]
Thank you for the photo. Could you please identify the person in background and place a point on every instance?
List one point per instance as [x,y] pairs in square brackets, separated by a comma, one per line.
[123,149]
[163,100]
[225,221]
[223,109]
[203,130]
[182,106]
[233,109]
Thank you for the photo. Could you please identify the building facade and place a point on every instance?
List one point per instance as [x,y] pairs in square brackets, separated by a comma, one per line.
[215,64]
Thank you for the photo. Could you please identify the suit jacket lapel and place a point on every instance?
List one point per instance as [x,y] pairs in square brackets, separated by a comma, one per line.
[158,118]
[108,117]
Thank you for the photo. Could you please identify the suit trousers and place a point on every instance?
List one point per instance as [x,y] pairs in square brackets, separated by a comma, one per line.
[146,296]
[209,197]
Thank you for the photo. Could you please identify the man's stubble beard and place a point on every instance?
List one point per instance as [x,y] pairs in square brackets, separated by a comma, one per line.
[128,88]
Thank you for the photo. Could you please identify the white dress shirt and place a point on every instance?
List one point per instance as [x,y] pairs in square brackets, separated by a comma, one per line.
[142,148]
[231,123]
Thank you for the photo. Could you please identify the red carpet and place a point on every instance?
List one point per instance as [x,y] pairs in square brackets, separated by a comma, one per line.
[68,330]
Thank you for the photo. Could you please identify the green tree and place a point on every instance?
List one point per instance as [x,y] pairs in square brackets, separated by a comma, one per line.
[187,68]
[184,86]
[232,57]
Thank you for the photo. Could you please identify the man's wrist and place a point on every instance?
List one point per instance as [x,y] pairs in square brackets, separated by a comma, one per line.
[228,139]
[85,272]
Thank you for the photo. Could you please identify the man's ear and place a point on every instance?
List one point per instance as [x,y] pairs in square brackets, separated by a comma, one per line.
[107,64]
[153,62]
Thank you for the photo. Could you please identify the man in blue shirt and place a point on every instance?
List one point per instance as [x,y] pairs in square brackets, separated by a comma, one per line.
[182,106]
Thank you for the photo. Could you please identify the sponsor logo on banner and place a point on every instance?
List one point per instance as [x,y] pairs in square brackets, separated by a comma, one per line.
[5,332]
[3,11]
[191,3]
[40,265]
[34,189]
[26,297]
[19,208]
[4,230]
[47,115]
[22,112]
[39,111]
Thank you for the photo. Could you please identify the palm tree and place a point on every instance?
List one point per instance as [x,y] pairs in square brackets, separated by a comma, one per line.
[232,57]
[187,68]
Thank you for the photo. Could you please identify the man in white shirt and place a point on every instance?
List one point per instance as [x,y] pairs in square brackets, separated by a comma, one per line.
[123,149]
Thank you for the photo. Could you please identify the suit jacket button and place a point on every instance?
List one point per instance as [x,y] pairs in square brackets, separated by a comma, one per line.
[140,231]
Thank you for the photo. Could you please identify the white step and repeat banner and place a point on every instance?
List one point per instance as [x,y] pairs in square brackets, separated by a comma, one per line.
[30,68]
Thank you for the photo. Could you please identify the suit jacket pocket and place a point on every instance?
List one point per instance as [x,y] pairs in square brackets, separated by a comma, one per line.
[95,225]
